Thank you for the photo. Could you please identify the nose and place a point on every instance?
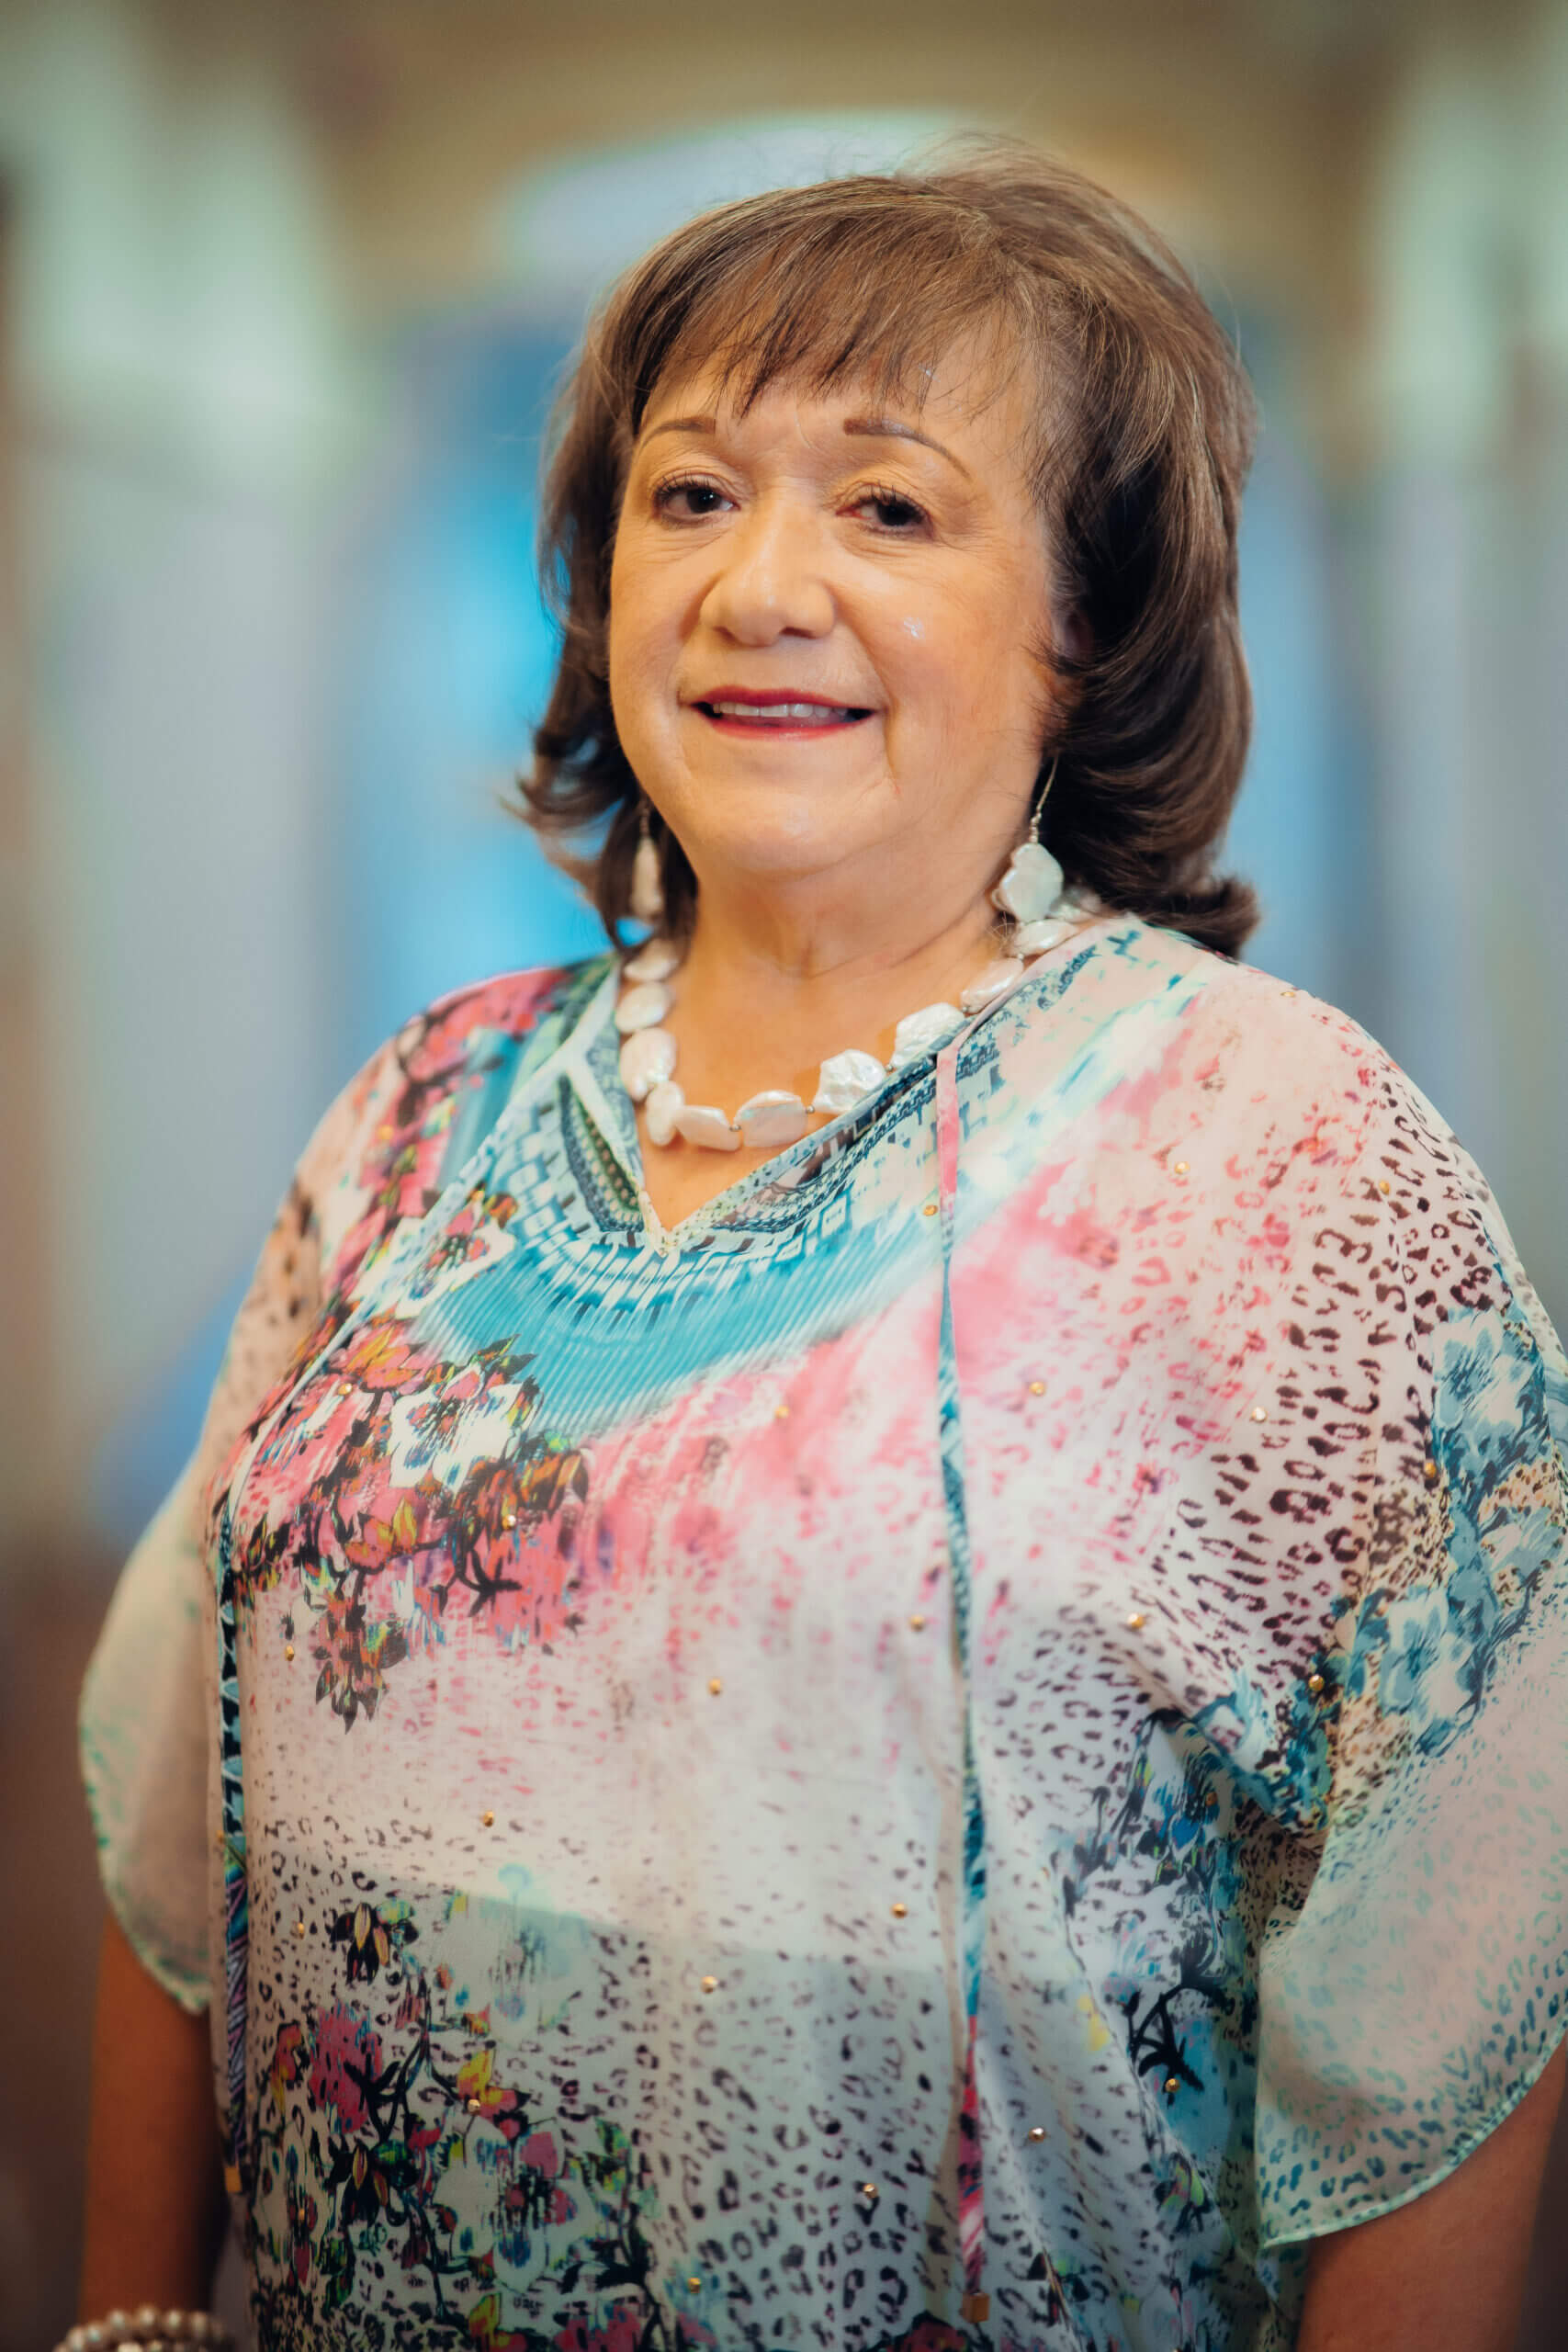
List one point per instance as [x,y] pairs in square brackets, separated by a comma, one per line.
[771,580]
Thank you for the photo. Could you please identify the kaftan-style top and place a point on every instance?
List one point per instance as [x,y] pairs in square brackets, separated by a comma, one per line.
[990,1712]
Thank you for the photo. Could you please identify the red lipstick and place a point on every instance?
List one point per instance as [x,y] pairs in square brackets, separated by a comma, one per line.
[775,710]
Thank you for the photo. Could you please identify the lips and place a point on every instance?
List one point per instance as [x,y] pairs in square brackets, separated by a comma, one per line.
[775,711]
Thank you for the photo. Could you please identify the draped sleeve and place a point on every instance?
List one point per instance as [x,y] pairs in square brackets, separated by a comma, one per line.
[1414,1982]
[147,1697]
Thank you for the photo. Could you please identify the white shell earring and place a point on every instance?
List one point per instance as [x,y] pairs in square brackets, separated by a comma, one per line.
[1033,883]
[647,881]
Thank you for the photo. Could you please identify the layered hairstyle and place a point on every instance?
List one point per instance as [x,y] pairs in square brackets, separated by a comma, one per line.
[1144,433]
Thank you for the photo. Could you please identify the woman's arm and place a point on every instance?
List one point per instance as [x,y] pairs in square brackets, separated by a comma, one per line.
[155,2209]
[1449,2269]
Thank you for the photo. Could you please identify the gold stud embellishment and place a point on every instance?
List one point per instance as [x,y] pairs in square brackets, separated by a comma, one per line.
[287,1650]
[781,1412]
[1261,1412]
[714,1686]
[692,2284]
[1037,2133]
[869,2190]
[1428,1468]
[1037,1389]
[710,1983]
[1135,1621]
[1179,1169]
[487,1820]
[299,1926]
[1314,1684]
[900,1910]
[476,2106]
[509,1518]
[917,1622]
[1172,2085]
[1382,1184]
[930,1209]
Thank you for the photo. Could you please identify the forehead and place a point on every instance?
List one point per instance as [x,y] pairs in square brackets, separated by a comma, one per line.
[976,392]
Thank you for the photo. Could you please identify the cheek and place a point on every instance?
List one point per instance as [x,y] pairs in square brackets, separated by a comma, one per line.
[995,652]
[958,662]
[632,652]
[648,600]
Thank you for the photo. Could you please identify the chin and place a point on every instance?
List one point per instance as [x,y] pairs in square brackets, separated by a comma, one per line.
[780,825]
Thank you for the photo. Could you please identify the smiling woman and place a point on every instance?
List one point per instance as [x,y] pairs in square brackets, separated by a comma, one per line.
[925,1714]
[1008,304]
[763,559]
[827,667]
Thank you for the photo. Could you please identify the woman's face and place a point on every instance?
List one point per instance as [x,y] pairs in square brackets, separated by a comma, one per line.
[826,619]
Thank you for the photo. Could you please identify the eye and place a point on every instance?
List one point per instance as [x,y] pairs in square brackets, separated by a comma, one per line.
[891,510]
[688,499]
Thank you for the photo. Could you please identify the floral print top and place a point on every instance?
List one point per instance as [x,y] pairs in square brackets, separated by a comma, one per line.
[966,1751]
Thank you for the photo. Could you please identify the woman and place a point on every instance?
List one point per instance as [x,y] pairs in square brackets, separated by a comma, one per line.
[878,1595]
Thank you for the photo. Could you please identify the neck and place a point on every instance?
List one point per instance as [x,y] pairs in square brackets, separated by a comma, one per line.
[802,953]
[768,989]
[763,997]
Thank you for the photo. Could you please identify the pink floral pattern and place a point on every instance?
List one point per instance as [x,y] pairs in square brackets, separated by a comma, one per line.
[754,1775]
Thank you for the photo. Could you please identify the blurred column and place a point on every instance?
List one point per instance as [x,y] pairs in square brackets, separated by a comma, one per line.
[186,443]
[23,1306]
[1540,493]
[1469,772]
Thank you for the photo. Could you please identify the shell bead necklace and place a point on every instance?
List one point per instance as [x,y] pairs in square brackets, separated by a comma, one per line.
[1040,914]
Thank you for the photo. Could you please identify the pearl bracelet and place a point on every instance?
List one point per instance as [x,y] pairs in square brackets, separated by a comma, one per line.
[152,2330]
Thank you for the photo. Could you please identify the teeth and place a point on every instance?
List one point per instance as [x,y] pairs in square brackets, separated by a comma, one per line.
[809,711]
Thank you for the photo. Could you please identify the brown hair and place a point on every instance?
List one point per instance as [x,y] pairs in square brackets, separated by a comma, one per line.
[1145,433]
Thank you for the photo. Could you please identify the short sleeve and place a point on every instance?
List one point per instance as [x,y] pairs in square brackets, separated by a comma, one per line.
[146,1701]
[144,1750]
[1414,1984]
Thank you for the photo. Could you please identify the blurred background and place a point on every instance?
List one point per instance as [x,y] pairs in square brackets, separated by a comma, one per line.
[285,291]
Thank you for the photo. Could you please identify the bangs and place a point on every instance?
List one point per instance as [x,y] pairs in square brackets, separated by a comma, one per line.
[855,282]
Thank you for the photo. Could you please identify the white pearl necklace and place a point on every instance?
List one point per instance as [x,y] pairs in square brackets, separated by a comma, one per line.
[1041,915]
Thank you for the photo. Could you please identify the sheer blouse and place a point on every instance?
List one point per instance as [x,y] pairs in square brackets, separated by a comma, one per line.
[967,1749]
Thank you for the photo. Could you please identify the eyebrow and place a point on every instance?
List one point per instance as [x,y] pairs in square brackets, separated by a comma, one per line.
[870,429]
[682,424]
[892,428]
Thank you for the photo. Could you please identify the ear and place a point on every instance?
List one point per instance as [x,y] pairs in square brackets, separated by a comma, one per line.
[1072,636]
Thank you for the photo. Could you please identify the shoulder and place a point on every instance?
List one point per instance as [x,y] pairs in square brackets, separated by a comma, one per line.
[1282,1120]
[427,1094]
[1346,1166]
[1285,1043]
[472,1022]
[1278,1039]
[1225,1047]
[1294,1069]
[380,1156]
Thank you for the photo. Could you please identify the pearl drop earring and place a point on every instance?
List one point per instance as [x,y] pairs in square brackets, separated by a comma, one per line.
[1033,883]
[647,881]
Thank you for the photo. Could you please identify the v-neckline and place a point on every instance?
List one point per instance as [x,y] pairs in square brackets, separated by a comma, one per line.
[590,1054]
